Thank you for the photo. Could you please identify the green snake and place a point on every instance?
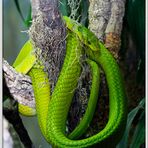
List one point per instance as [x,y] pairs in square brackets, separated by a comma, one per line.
[52,110]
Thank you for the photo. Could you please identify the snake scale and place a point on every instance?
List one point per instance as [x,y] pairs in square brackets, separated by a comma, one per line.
[52,110]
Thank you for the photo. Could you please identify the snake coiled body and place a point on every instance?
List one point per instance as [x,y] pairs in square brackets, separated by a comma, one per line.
[52,110]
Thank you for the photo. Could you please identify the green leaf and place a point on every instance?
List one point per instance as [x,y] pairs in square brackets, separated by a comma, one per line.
[84,12]
[124,141]
[139,134]
[27,22]
[64,9]
[135,15]
[19,10]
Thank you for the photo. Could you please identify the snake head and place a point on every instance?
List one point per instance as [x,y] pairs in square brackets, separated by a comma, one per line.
[84,34]
[88,38]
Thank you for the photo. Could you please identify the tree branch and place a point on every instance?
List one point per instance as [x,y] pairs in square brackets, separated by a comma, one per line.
[48,33]
[20,86]
[106,18]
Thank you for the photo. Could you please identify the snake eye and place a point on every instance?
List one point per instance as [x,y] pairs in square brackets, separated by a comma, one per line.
[88,42]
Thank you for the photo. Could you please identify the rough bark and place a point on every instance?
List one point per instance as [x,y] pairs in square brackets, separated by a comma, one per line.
[20,86]
[48,34]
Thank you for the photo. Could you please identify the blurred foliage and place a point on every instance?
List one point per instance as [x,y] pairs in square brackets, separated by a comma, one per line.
[64,9]
[136,124]
[135,16]
[28,20]
[134,26]
[14,31]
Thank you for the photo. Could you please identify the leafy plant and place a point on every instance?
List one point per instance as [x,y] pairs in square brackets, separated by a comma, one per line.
[138,138]
[135,16]
[28,20]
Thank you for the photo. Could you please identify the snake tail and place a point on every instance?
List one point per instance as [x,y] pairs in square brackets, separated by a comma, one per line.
[41,89]
[23,63]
